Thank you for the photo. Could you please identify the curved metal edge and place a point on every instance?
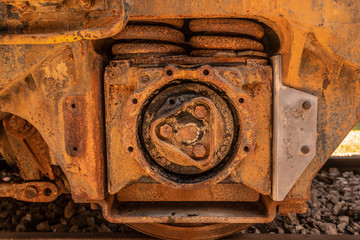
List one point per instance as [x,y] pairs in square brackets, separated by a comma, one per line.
[120,15]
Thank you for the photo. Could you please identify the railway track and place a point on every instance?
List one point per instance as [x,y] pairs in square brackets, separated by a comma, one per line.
[344,163]
[138,236]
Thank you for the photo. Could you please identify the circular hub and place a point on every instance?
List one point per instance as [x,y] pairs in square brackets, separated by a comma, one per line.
[188,131]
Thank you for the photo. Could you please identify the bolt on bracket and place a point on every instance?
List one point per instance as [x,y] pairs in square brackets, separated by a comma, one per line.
[294,133]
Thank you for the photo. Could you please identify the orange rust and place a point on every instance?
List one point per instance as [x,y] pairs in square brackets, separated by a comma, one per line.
[225,42]
[177,23]
[166,131]
[32,141]
[200,112]
[320,56]
[146,32]
[199,150]
[141,192]
[32,191]
[292,207]
[232,26]
[141,48]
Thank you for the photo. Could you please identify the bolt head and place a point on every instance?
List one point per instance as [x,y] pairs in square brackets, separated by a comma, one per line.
[30,192]
[144,78]
[166,131]
[199,150]
[305,149]
[306,105]
[200,112]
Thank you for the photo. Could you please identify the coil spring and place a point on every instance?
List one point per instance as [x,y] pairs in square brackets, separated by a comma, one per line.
[152,37]
[211,37]
[226,36]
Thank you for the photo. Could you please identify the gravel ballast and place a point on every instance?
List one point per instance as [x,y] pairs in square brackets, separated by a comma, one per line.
[334,208]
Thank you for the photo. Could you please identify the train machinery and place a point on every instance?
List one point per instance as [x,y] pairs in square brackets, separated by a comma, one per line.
[182,119]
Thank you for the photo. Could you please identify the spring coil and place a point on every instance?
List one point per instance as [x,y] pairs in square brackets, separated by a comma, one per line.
[151,37]
[226,36]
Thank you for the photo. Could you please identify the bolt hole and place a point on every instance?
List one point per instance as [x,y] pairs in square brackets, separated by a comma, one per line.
[171,101]
[169,72]
[206,72]
[246,149]
[135,101]
[75,149]
[130,149]
[241,100]
[305,149]
[73,105]
[175,131]
[47,192]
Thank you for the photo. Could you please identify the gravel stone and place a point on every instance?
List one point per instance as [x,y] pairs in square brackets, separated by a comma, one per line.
[104,228]
[334,208]
[43,227]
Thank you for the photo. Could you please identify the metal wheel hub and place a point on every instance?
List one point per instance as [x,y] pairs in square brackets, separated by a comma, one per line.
[188,129]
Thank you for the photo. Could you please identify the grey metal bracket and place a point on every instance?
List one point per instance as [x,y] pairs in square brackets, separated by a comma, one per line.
[294,133]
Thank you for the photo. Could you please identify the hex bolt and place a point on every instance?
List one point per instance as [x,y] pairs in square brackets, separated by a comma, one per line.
[200,112]
[199,150]
[145,78]
[30,192]
[306,105]
[86,3]
[165,131]
[305,149]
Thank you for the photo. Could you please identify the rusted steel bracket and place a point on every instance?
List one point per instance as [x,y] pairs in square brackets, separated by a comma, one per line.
[32,141]
[115,19]
[31,191]
[295,128]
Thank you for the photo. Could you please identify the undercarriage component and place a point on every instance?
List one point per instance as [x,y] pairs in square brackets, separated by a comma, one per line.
[24,140]
[189,127]
[185,106]
[189,231]
[32,191]
[149,38]
[226,37]
[69,25]
[294,140]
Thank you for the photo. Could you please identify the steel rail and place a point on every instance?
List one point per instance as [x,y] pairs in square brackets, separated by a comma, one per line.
[138,236]
[344,163]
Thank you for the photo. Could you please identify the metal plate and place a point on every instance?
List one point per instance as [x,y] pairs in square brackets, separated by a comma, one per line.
[294,141]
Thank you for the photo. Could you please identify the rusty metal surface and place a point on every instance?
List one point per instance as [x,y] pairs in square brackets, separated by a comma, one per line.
[225,42]
[176,23]
[74,129]
[70,70]
[112,18]
[133,105]
[148,32]
[31,191]
[146,48]
[320,57]
[197,231]
[228,26]
[261,211]
[133,172]
[32,142]
[196,143]
[294,139]
[183,59]
[292,207]
[139,192]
